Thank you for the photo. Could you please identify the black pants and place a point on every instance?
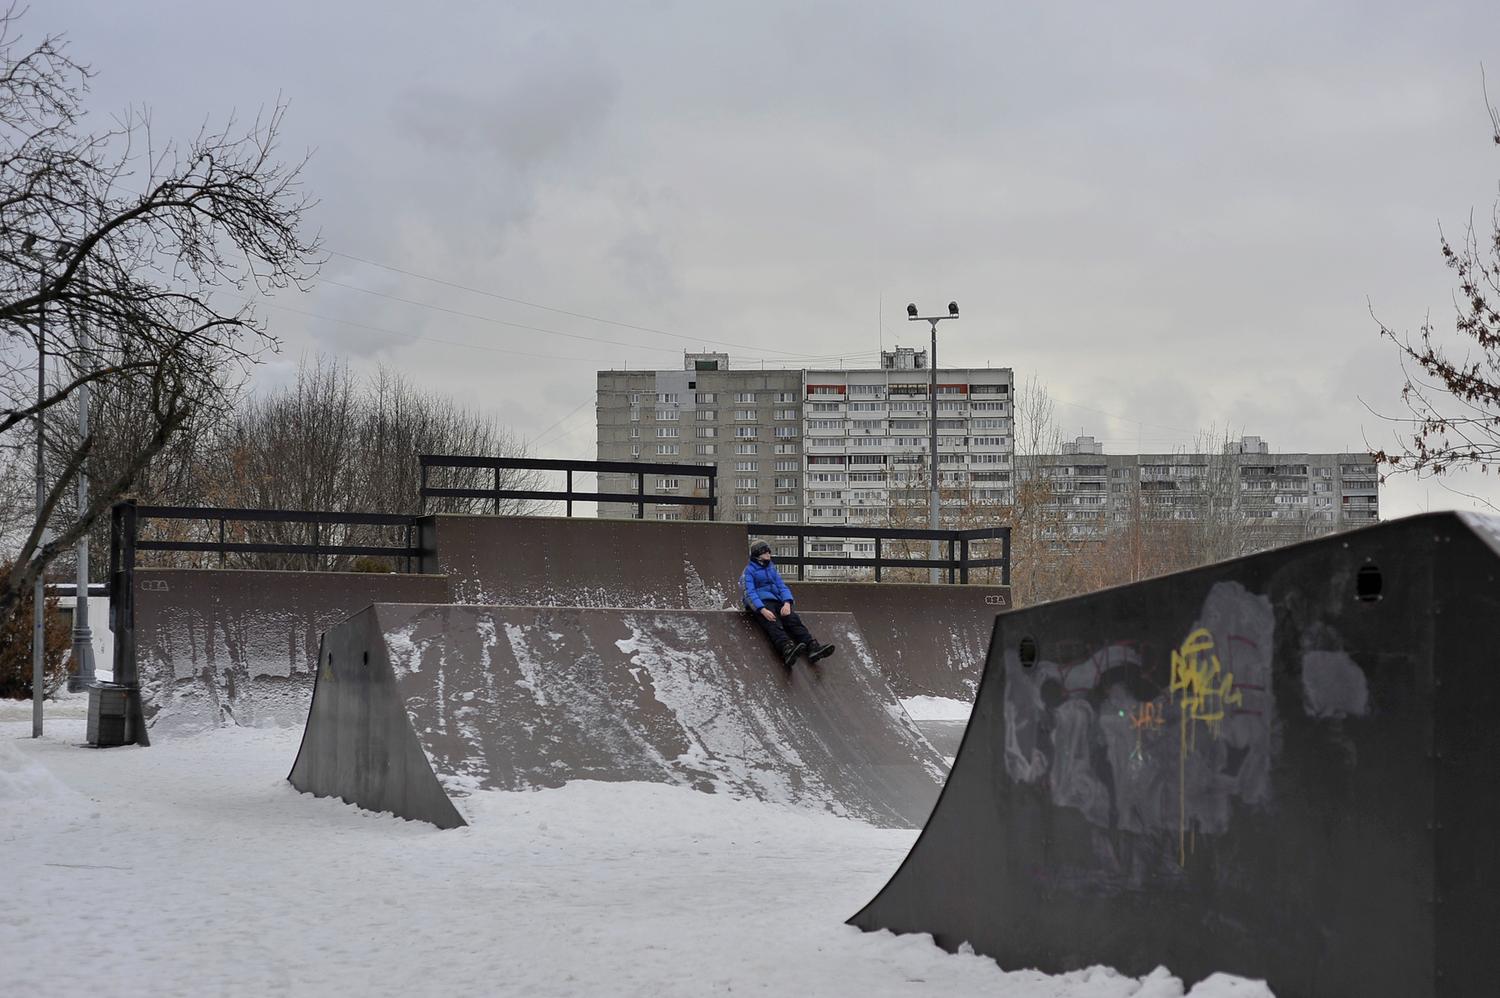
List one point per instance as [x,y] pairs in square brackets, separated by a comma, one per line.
[783,629]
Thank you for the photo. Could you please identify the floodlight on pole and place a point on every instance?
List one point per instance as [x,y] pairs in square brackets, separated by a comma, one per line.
[933,462]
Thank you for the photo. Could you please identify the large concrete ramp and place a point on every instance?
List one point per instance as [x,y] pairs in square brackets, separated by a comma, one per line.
[1285,767]
[217,646]
[513,698]
[561,561]
[929,640]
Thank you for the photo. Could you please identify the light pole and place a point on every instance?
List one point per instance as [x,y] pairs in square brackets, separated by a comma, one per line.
[83,635]
[932,458]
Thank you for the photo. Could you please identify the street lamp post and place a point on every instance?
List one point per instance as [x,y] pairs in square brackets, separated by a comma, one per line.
[83,635]
[933,462]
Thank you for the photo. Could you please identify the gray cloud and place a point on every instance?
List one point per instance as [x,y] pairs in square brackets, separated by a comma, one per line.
[1173,212]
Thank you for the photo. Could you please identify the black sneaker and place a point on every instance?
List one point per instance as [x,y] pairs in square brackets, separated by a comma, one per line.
[790,651]
[817,651]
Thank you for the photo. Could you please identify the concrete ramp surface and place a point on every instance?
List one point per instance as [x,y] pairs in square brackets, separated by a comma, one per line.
[415,705]
[1284,767]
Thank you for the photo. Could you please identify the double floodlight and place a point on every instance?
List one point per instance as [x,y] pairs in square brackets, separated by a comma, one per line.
[911,310]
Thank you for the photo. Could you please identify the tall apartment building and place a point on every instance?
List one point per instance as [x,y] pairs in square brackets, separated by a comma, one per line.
[1286,496]
[746,423]
[825,447]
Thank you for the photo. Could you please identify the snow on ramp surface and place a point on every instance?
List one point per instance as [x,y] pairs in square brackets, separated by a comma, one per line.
[416,705]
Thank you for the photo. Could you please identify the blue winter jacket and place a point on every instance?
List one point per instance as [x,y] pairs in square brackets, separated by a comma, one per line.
[763,582]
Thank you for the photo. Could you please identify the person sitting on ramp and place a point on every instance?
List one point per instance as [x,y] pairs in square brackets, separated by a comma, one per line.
[769,600]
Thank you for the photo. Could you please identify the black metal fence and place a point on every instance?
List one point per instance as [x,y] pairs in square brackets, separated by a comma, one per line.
[959,560]
[496,492]
[126,540]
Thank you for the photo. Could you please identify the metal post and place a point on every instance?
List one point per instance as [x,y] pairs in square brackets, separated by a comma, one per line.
[877,559]
[125,672]
[801,556]
[570,491]
[314,554]
[963,563]
[1005,557]
[423,489]
[223,554]
[932,460]
[713,499]
[38,593]
[640,491]
[83,636]
[497,490]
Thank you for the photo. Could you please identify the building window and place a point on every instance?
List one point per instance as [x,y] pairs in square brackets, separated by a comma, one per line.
[666,398]
[747,483]
[989,389]
[667,484]
[784,449]
[746,465]
[786,397]
[707,415]
[746,432]
[746,448]
[786,432]
[666,415]
[707,398]
[635,398]
[744,500]
[743,397]
[786,413]
[706,449]
[666,431]
[635,433]
[867,391]
[708,432]
[786,500]
[788,466]
[786,483]
[786,517]
[667,450]
[745,415]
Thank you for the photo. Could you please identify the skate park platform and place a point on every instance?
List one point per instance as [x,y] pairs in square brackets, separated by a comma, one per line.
[217,646]
[1284,767]
[416,706]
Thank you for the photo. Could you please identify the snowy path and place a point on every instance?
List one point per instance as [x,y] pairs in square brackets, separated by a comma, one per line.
[193,868]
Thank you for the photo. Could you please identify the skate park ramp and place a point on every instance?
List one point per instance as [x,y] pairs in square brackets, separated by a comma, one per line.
[930,640]
[217,646]
[558,561]
[416,706]
[1285,767]
[220,646]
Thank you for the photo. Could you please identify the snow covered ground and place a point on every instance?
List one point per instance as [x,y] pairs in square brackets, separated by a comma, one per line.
[193,868]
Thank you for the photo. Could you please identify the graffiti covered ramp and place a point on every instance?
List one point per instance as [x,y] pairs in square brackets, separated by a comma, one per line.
[415,705]
[1285,767]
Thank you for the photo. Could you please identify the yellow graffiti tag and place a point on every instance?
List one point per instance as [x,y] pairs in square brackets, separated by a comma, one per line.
[1207,693]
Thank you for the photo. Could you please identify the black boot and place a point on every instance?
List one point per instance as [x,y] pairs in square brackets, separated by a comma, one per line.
[790,651]
[818,650]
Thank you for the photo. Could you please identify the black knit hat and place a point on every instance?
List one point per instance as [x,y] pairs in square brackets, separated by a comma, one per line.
[759,548]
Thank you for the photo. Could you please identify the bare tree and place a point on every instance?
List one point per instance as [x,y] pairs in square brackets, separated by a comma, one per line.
[1455,403]
[149,248]
[331,441]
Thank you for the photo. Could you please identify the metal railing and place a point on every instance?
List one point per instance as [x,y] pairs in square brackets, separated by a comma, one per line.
[957,564]
[125,533]
[496,491]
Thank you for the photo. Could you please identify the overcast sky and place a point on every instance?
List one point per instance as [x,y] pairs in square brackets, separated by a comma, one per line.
[1176,216]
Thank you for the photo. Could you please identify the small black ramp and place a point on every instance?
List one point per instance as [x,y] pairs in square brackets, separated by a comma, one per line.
[1285,766]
